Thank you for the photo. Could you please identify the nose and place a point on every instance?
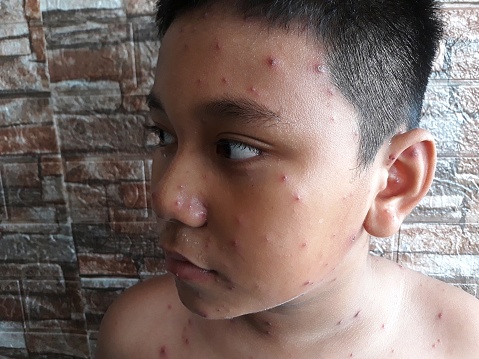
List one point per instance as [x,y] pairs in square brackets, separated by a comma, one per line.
[176,192]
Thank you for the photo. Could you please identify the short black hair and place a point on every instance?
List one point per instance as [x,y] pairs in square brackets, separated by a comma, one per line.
[379,53]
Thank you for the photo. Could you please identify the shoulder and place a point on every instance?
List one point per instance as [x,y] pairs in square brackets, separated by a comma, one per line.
[454,317]
[129,322]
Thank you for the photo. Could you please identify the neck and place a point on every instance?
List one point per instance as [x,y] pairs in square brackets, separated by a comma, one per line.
[354,302]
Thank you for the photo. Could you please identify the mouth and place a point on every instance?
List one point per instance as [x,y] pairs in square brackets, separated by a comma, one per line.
[185,270]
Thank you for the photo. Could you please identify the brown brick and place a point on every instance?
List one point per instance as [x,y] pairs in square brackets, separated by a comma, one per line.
[113,63]
[88,203]
[37,248]
[11,308]
[112,133]
[58,344]
[51,166]
[106,170]
[25,111]
[22,74]
[38,44]
[106,265]
[32,10]
[21,175]
[28,140]
[134,195]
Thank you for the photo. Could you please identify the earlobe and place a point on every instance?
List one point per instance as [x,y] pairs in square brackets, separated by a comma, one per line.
[410,162]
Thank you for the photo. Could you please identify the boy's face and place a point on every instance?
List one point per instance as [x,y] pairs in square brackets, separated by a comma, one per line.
[271,203]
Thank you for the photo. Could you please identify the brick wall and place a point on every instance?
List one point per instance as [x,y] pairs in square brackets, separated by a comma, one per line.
[75,225]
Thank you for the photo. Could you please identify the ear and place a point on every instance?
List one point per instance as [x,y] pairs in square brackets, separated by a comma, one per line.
[410,162]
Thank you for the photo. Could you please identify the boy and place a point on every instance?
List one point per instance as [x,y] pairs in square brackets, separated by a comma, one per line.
[287,135]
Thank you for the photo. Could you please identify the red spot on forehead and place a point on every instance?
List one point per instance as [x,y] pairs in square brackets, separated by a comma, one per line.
[253,90]
[272,61]
[318,68]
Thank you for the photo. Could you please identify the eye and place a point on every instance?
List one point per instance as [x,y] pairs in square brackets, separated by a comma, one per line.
[236,150]
[162,137]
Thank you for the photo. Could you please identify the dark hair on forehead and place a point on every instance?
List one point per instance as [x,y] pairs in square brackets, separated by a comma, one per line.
[379,53]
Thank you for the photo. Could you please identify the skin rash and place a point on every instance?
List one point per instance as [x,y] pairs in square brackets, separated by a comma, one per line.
[264,215]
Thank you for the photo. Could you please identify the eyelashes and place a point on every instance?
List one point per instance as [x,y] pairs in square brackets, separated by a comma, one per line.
[226,148]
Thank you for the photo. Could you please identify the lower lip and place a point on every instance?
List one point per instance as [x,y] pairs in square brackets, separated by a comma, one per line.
[187,271]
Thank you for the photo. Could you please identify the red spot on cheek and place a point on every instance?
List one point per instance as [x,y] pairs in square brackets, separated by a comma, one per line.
[284,178]
[439,316]
[218,46]
[307,283]
[304,245]
[224,81]
[234,243]
[199,82]
[170,307]
[163,353]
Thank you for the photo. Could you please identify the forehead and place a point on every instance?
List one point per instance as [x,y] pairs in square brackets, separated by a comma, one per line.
[213,53]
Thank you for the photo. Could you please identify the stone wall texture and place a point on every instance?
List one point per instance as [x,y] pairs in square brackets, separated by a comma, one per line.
[75,224]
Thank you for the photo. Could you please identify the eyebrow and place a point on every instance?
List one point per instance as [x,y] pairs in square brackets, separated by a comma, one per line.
[241,109]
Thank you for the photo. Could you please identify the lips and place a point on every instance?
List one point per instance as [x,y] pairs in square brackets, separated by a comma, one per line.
[184,270]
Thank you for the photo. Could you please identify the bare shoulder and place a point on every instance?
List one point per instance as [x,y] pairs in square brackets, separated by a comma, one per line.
[453,316]
[139,317]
